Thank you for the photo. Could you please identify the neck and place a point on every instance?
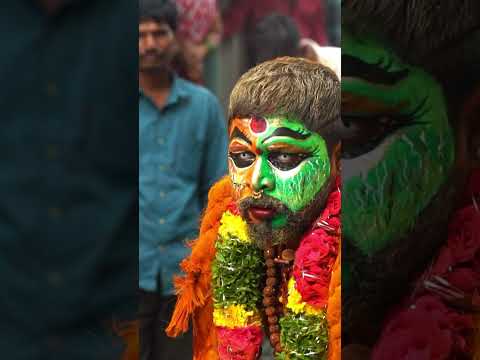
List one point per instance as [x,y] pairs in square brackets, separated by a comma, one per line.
[155,81]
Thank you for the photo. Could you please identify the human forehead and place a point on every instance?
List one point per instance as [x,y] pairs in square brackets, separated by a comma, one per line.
[151,25]
[259,127]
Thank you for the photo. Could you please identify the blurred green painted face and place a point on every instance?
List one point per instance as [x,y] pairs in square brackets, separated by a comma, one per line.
[397,143]
[277,157]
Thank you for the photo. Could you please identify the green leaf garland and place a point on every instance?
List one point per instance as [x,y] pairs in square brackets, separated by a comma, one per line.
[303,337]
[237,274]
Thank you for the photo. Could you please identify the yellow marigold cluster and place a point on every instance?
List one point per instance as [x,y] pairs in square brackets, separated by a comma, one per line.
[235,316]
[233,226]
[296,303]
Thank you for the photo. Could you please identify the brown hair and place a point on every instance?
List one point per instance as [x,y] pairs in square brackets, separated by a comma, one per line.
[289,87]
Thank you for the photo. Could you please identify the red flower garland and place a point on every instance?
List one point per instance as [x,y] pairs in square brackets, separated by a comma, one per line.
[239,343]
[316,255]
[429,328]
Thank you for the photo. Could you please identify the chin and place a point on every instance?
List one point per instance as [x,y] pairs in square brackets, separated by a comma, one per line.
[264,236]
[149,67]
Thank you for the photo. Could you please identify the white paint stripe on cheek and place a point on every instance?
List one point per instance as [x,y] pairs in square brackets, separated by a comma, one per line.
[284,175]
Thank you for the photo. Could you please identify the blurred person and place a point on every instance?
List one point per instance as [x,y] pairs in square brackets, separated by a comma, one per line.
[243,16]
[68,208]
[199,31]
[182,150]
[278,35]
[310,16]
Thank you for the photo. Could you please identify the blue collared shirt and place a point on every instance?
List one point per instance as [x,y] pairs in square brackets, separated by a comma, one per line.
[183,150]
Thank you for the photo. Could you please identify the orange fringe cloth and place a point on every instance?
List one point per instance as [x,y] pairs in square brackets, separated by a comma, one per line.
[334,309]
[194,296]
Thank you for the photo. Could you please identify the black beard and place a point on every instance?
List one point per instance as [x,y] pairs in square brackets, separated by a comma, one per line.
[264,236]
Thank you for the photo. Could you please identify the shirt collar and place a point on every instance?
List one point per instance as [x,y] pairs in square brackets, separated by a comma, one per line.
[177,92]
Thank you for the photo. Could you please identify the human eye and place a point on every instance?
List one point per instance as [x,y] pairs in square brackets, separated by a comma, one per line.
[286,161]
[243,159]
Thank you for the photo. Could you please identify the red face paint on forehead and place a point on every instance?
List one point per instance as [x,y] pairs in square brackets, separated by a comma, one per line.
[258,124]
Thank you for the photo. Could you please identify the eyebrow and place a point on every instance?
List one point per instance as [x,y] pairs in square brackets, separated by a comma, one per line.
[283,131]
[236,133]
[374,73]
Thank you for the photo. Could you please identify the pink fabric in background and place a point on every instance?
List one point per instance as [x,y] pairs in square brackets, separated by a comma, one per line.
[308,14]
[196,18]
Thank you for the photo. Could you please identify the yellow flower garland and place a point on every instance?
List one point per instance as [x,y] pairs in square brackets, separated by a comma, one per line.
[233,226]
[234,316]
[296,303]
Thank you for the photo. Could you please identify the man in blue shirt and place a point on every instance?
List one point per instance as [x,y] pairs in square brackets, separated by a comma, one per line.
[182,153]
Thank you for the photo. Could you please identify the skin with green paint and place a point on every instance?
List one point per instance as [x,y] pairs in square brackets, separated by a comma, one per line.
[387,184]
[271,163]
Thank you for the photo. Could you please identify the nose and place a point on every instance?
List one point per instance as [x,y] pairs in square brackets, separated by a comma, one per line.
[262,178]
[149,41]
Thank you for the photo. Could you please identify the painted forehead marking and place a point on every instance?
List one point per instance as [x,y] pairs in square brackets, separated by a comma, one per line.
[258,124]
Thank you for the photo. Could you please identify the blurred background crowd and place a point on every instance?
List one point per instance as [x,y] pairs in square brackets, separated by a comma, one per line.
[221,39]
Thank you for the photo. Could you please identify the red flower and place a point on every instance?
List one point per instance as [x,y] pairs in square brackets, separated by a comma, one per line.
[464,234]
[314,261]
[239,343]
[465,279]
[428,330]
[316,255]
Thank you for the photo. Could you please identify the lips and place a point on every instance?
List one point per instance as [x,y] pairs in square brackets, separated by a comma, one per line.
[259,214]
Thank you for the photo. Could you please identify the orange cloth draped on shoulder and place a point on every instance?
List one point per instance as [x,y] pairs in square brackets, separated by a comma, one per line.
[334,309]
[194,294]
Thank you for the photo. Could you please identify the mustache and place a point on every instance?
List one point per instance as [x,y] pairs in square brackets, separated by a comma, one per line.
[151,52]
[264,202]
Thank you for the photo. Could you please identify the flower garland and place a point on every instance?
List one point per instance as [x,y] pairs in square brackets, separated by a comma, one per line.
[304,328]
[237,277]
[439,314]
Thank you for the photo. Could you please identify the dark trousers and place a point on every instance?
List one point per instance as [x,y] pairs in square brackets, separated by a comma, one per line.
[154,315]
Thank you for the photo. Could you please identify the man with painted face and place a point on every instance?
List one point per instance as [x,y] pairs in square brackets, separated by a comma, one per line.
[182,147]
[407,287]
[269,239]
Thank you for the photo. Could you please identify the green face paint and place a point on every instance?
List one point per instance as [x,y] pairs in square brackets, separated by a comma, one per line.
[281,158]
[298,186]
[399,149]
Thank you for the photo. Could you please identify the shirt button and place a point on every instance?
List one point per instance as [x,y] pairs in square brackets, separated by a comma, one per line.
[55,212]
[52,89]
[162,194]
[161,221]
[160,141]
